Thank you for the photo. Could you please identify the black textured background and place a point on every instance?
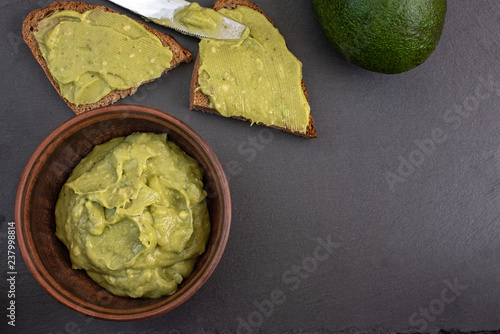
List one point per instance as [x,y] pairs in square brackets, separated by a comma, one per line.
[395,251]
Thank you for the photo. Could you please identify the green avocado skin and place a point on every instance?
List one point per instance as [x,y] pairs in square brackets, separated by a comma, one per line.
[387,36]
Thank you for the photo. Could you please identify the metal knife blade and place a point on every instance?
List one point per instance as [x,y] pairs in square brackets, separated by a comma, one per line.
[163,12]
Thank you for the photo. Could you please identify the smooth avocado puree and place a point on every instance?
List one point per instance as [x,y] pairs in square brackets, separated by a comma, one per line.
[133,215]
[195,19]
[256,77]
[91,54]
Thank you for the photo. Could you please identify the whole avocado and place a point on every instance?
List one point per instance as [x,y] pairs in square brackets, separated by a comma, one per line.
[387,36]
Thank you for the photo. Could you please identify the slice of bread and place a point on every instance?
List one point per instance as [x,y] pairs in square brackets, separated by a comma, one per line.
[201,102]
[30,26]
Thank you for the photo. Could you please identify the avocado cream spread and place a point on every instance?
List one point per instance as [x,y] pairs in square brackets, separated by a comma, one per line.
[133,215]
[91,54]
[255,77]
[196,19]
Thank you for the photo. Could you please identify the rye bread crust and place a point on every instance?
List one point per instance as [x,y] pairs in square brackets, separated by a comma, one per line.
[201,102]
[30,25]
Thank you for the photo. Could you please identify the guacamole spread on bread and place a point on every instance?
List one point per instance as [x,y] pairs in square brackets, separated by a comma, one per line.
[93,53]
[133,215]
[255,77]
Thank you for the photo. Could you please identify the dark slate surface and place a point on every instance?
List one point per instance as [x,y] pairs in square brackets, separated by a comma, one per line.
[420,255]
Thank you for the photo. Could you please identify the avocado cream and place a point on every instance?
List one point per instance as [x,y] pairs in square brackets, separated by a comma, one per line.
[255,77]
[91,54]
[195,19]
[133,215]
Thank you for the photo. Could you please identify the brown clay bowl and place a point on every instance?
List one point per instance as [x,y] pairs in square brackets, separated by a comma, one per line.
[47,170]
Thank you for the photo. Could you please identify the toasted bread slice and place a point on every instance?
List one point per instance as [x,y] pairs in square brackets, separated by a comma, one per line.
[30,26]
[201,102]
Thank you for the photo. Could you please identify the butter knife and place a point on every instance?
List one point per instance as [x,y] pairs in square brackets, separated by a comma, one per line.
[163,12]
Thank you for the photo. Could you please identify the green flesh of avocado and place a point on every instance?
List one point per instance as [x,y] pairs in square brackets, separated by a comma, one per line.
[387,36]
